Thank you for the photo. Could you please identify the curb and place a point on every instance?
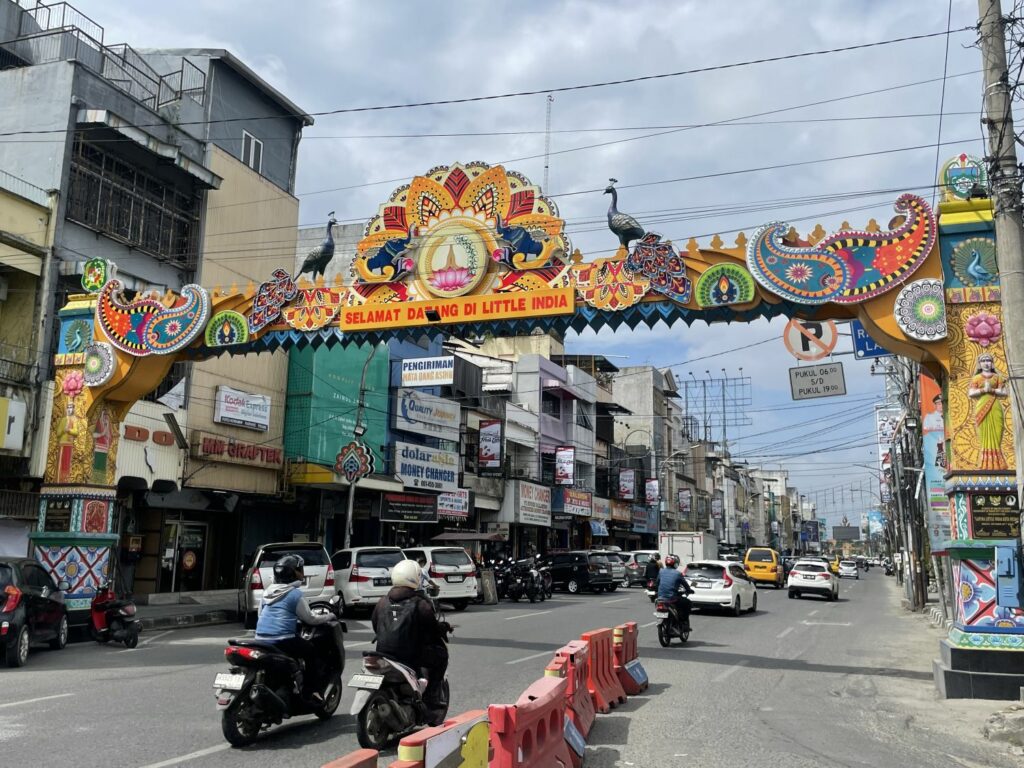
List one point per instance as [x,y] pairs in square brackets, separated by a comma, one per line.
[189,620]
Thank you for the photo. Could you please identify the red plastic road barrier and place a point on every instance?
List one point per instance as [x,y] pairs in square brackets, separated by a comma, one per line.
[530,733]
[626,653]
[576,659]
[602,682]
[469,744]
[361,758]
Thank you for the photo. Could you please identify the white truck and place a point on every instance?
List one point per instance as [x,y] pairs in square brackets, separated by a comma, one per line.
[688,546]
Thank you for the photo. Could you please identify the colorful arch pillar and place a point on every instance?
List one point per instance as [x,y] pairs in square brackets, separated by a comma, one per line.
[983,656]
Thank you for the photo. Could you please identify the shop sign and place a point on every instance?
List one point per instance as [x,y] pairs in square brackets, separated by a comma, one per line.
[426,415]
[621,512]
[576,503]
[427,468]
[428,372]
[716,508]
[241,409]
[627,484]
[641,519]
[994,516]
[12,419]
[685,501]
[531,504]
[565,465]
[652,490]
[488,458]
[408,508]
[228,450]
[454,505]
[602,509]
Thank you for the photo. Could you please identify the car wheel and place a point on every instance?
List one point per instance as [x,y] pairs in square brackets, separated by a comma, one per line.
[17,654]
[625,584]
[793,595]
[61,639]
[613,587]
[573,586]
[460,605]
[753,605]
[833,596]
[737,607]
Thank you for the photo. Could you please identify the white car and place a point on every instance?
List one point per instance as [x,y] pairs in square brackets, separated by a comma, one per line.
[812,577]
[363,574]
[318,586]
[721,583]
[848,569]
[452,570]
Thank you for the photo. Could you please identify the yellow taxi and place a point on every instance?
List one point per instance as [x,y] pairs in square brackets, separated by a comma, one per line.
[764,565]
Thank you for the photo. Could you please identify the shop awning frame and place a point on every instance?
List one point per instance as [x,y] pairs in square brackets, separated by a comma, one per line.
[468,536]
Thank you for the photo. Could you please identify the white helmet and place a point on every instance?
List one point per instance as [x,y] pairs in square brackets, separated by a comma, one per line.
[406,574]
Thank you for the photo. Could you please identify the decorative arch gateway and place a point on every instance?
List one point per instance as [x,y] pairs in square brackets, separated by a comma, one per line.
[473,249]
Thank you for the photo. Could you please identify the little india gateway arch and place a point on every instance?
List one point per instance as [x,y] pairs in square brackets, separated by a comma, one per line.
[476,249]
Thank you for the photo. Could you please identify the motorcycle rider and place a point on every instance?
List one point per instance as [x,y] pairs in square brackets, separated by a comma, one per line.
[652,568]
[281,606]
[407,630]
[670,583]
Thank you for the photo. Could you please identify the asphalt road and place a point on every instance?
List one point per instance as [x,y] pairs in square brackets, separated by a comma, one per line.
[799,683]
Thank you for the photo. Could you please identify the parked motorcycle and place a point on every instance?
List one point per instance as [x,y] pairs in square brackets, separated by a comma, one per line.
[262,686]
[501,574]
[524,581]
[669,625]
[547,581]
[113,619]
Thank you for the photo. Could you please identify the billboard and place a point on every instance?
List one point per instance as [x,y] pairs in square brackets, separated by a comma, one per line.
[565,465]
[846,532]
[876,522]
[241,409]
[933,437]
[627,484]
[424,414]
[418,466]
[652,490]
[408,508]
[428,372]
[809,530]
[488,459]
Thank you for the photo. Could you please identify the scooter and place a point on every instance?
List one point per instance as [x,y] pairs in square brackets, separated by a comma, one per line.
[113,619]
[262,686]
[651,589]
[524,581]
[668,624]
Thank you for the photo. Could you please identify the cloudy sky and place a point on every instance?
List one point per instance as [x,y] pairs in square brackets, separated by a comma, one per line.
[871,102]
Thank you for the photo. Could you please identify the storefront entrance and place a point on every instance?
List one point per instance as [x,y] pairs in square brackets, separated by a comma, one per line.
[184,556]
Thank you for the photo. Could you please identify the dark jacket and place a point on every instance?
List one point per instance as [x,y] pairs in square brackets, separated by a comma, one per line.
[651,569]
[406,627]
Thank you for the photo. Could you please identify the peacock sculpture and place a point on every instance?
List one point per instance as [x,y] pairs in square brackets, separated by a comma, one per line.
[625,227]
[977,270]
[318,258]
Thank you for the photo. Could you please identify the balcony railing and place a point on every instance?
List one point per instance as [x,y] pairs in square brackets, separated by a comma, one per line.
[19,504]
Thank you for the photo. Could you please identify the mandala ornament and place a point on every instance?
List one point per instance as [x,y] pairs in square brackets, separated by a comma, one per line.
[846,267]
[354,461]
[974,262]
[725,284]
[314,309]
[145,326]
[658,261]
[920,310]
[99,363]
[226,328]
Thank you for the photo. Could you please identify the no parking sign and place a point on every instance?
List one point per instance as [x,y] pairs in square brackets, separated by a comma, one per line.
[810,339]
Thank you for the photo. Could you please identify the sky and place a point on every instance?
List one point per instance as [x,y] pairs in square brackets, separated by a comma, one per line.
[331,55]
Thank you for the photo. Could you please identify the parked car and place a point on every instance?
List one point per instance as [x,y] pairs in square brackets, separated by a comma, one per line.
[635,562]
[848,569]
[576,571]
[318,586]
[452,569]
[618,568]
[31,609]
[764,565]
[363,575]
[721,584]
[812,577]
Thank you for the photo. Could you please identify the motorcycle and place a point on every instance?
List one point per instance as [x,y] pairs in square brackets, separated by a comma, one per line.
[889,571]
[547,581]
[524,581]
[262,686]
[501,575]
[113,619]
[388,702]
[669,625]
[651,589]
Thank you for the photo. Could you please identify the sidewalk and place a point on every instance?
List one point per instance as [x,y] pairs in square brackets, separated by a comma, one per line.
[218,608]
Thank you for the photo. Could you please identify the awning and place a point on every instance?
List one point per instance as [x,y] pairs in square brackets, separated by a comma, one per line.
[468,536]
[567,392]
[598,528]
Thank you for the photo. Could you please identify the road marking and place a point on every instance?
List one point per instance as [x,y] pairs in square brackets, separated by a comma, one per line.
[189,756]
[784,632]
[734,668]
[649,624]
[618,600]
[529,658]
[142,643]
[527,615]
[149,640]
[812,613]
[827,623]
[33,701]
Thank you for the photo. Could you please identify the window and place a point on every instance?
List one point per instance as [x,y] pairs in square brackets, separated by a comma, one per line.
[415,554]
[37,577]
[450,557]
[379,558]
[760,555]
[551,405]
[562,560]
[342,560]
[582,417]
[310,555]
[737,572]
[6,576]
[252,151]
[703,571]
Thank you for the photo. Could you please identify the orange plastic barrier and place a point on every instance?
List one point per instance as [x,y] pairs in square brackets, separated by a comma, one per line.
[575,657]
[361,758]
[628,669]
[602,682]
[531,732]
[465,736]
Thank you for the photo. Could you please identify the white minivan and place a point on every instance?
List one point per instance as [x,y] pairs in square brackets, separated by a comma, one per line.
[363,574]
[452,569]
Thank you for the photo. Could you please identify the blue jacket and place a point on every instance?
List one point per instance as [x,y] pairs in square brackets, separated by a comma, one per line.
[280,607]
[670,581]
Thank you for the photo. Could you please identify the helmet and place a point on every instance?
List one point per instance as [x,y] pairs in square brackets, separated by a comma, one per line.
[655,556]
[671,561]
[288,569]
[406,574]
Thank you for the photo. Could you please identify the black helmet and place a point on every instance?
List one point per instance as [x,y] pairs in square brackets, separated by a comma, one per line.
[656,556]
[288,569]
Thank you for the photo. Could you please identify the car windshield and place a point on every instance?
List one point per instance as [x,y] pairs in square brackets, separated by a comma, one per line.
[6,576]
[624,557]
[379,558]
[848,564]
[759,555]
[809,567]
[309,555]
[642,558]
[450,557]
[703,571]
[601,559]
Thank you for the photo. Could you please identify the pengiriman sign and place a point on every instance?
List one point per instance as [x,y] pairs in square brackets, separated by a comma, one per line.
[428,371]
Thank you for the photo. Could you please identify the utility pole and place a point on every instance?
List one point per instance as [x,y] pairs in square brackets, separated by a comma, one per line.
[547,140]
[357,431]
[1005,182]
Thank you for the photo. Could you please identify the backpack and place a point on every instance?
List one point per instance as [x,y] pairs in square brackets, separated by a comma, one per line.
[398,632]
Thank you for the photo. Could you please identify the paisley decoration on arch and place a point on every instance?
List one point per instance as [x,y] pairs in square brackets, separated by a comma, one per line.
[847,267]
[270,297]
[920,310]
[609,284]
[724,284]
[226,328]
[315,308]
[354,461]
[99,363]
[659,262]
[145,326]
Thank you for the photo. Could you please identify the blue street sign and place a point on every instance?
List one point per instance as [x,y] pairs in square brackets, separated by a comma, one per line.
[864,346]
